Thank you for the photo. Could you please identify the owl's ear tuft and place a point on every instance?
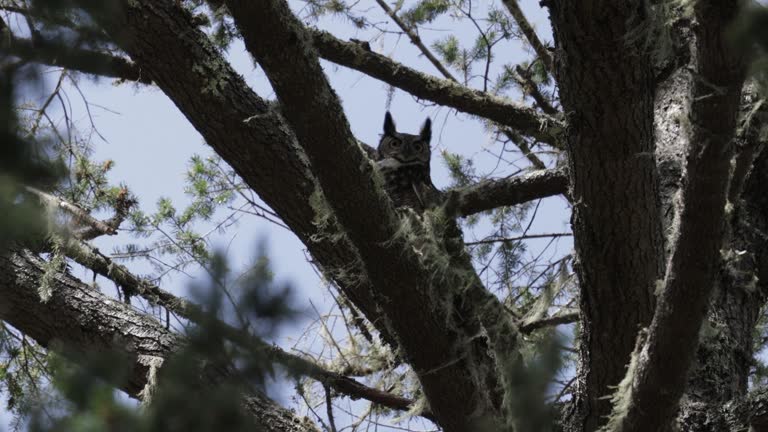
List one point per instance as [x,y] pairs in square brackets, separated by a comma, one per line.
[389,124]
[426,130]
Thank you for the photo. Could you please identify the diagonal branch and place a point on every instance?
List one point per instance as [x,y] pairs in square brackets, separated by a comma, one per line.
[524,79]
[282,47]
[416,40]
[92,258]
[81,217]
[523,119]
[525,149]
[262,150]
[522,22]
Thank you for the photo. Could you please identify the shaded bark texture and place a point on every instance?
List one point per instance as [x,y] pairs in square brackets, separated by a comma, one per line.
[606,89]
[256,140]
[621,110]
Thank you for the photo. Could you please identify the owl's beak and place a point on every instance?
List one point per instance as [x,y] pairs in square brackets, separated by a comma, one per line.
[408,152]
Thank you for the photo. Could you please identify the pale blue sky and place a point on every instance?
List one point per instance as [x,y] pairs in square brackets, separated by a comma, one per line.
[151,142]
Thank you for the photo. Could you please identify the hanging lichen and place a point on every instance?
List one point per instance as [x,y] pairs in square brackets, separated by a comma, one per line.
[51,268]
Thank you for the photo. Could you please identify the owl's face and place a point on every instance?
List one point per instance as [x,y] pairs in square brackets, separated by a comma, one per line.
[405,148]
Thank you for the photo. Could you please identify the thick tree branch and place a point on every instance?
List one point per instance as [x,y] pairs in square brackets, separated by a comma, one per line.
[723,365]
[82,319]
[86,61]
[181,60]
[279,43]
[657,383]
[524,120]
[492,194]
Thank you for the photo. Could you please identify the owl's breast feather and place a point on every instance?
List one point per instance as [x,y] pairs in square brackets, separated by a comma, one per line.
[389,163]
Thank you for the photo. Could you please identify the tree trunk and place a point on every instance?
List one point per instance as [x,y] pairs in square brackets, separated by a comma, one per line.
[606,89]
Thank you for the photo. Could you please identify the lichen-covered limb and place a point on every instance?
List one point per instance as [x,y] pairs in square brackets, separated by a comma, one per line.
[658,381]
[82,319]
[80,216]
[404,284]
[723,366]
[91,258]
[526,121]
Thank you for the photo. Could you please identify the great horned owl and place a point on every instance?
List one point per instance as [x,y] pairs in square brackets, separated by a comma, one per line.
[403,160]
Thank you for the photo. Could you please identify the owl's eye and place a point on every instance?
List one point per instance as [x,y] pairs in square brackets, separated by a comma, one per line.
[418,147]
[395,143]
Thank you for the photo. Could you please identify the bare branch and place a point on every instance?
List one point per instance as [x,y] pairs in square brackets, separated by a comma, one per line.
[81,217]
[416,40]
[511,239]
[524,148]
[550,322]
[87,227]
[530,34]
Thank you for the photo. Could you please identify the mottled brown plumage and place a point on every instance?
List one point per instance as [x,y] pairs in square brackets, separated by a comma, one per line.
[403,160]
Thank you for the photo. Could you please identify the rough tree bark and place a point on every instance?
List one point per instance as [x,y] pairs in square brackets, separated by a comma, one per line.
[657,374]
[625,206]
[264,152]
[606,89]
[716,396]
